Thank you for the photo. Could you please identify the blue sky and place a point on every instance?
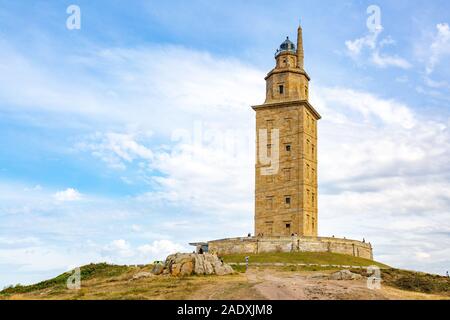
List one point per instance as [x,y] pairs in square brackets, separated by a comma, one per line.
[128,138]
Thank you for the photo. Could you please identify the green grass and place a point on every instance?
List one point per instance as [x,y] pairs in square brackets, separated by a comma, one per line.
[413,281]
[99,270]
[303,257]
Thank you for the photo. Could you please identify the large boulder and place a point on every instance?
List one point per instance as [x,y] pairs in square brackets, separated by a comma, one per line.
[184,264]
[158,268]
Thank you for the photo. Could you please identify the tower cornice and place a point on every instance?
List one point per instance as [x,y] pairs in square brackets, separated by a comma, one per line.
[289,103]
[283,70]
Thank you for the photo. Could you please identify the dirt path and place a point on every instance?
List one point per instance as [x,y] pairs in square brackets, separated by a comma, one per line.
[314,286]
[297,286]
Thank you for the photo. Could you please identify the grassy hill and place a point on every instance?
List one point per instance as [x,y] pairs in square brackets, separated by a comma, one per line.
[320,258]
[105,281]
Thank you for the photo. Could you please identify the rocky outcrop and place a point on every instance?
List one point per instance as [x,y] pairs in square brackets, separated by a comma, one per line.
[345,275]
[141,275]
[184,264]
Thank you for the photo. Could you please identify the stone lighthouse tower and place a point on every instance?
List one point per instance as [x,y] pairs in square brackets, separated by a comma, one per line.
[286,162]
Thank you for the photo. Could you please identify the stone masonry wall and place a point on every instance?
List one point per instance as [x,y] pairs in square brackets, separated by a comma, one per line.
[291,244]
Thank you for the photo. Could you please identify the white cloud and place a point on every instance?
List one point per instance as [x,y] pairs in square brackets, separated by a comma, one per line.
[117,149]
[384,61]
[370,42]
[423,256]
[136,228]
[355,47]
[121,251]
[440,46]
[124,90]
[160,249]
[384,175]
[120,248]
[69,194]
[356,104]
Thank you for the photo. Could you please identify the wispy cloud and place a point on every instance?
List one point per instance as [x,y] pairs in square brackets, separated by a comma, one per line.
[440,47]
[369,49]
[69,194]
[385,61]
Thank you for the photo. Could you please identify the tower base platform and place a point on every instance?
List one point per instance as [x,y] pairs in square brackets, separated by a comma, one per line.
[287,244]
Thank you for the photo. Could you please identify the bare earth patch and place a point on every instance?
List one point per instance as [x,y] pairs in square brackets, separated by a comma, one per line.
[309,286]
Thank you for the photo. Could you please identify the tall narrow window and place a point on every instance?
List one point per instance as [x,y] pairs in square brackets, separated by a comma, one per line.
[281,89]
[313,199]
[287,201]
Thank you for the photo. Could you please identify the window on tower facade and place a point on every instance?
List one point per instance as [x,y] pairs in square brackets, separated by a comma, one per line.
[288,148]
[287,201]
[281,89]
